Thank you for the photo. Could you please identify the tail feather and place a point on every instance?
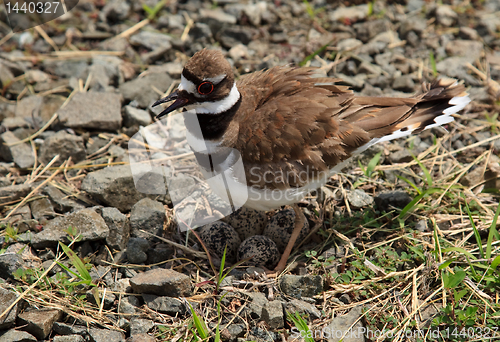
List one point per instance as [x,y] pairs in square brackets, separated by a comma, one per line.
[399,118]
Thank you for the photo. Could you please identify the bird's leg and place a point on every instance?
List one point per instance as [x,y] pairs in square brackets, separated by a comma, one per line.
[299,224]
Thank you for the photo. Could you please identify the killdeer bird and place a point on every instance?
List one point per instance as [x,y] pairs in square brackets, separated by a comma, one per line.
[293,127]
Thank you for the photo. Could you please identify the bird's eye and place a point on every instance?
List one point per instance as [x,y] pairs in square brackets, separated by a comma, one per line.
[205,88]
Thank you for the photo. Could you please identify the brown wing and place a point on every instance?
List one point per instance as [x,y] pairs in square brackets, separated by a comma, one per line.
[298,124]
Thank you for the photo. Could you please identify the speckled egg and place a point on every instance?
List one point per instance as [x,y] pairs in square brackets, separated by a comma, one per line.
[247,222]
[217,235]
[262,249]
[280,228]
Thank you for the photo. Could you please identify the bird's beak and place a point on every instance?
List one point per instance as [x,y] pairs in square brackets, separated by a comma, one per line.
[178,103]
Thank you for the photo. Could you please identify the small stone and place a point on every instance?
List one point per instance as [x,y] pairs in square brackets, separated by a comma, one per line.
[398,199]
[119,228]
[421,225]
[233,35]
[349,44]
[69,329]
[105,335]
[7,297]
[92,110]
[404,83]
[107,301]
[65,68]
[88,224]
[162,282]
[301,286]
[445,15]
[17,336]
[141,89]
[61,202]
[136,250]
[69,338]
[10,263]
[141,338]
[65,145]
[14,192]
[413,24]
[401,156]
[151,40]
[359,199]
[257,304]
[340,324]
[261,250]
[217,236]
[39,322]
[302,307]
[465,48]
[468,33]
[353,13]
[134,116]
[21,153]
[115,10]
[218,15]
[140,326]
[238,52]
[369,29]
[171,306]
[115,187]
[42,208]
[147,215]
[272,314]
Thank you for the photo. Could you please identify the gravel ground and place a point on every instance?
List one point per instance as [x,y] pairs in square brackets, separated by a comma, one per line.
[101,66]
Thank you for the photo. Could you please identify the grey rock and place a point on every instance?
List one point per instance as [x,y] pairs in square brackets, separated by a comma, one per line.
[302,307]
[340,324]
[162,282]
[151,40]
[349,44]
[256,12]
[65,145]
[61,202]
[369,29]
[119,228]
[69,329]
[140,326]
[455,67]
[217,236]
[121,285]
[404,83]
[20,154]
[147,215]
[17,336]
[413,24]
[89,224]
[66,68]
[201,32]
[136,250]
[421,225]
[353,13]
[401,156]
[172,22]
[115,10]
[69,338]
[234,35]
[466,48]
[141,338]
[9,263]
[170,306]
[356,82]
[105,335]
[301,286]
[468,33]
[16,122]
[135,116]
[398,199]
[39,322]
[7,297]
[272,314]
[359,199]
[41,208]
[218,15]
[238,52]
[257,304]
[160,253]
[141,89]
[445,15]
[92,110]
[114,186]
[127,306]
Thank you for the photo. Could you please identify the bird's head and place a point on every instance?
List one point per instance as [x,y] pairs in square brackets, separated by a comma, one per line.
[207,85]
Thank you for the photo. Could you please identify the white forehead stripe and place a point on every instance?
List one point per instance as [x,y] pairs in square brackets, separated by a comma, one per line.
[216,80]
[187,85]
